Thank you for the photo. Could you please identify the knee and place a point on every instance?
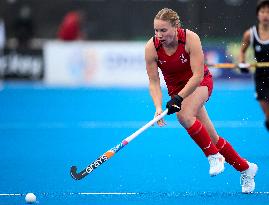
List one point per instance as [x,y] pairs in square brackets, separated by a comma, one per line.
[185,119]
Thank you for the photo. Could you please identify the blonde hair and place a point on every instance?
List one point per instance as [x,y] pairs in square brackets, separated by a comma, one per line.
[169,15]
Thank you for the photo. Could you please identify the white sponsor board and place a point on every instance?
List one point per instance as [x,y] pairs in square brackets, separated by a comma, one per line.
[95,63]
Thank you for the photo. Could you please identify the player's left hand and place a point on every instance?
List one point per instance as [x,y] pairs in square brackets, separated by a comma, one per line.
[174,105]
[243,67]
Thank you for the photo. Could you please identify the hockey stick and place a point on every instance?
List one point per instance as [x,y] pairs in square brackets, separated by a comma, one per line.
[107,155]
[234,66]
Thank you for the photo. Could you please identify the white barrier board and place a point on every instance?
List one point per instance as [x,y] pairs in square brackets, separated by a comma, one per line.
[95,63]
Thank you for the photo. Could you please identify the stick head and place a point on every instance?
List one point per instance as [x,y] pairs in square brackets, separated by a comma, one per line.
[73,172]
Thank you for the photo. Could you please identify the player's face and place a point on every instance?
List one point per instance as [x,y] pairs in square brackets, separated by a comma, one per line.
[263,15]
[164,31]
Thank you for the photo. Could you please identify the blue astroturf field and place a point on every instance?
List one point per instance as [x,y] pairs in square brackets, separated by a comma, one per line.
[44,131]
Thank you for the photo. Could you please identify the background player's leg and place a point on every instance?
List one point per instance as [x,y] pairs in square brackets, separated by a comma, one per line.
[265,108]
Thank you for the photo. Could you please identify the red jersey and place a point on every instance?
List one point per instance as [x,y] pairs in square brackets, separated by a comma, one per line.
[176,68]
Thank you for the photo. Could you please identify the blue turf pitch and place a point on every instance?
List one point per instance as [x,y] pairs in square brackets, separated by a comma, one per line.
[44,131]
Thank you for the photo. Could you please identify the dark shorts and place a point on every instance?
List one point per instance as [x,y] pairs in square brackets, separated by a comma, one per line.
[262,87]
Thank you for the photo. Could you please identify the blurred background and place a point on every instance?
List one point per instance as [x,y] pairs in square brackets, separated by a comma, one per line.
[73,84]
[101,42]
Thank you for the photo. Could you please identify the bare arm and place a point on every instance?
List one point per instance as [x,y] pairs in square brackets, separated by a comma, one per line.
[153,74]
[194,48]
[244,46]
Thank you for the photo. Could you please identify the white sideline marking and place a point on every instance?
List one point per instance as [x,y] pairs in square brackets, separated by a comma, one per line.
[132,193]
[107,193]
[10,194]
[82,193]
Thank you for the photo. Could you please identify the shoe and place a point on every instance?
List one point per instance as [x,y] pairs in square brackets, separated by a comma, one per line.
[247,178]
[216,163]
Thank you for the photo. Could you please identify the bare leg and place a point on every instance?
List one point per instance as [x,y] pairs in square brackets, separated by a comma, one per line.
[265,107]
[204,118]
[187,117]
[225,148]
[191,106]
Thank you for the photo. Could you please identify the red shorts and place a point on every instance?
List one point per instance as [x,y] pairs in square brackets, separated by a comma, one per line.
[208,82]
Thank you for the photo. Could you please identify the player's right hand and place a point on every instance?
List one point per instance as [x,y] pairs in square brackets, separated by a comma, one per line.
[160,122]
[243,67]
